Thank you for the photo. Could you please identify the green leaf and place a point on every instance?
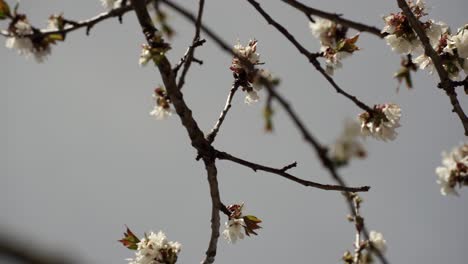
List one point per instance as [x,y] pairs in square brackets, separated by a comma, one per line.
[129,240]
[251,224]
[4,10]
[55,37]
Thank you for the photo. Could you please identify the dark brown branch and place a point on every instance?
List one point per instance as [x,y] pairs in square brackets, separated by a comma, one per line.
[445,82]
[256,167]
[309,11]
[191,50]
[310,56]
[225,47]
[184,58]
[185,114]
[88,23]
[214,132]
[322,154]
[216,207]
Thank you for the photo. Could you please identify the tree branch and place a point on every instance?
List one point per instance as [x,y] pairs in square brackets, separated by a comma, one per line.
[216,207]
[88,23]
[445,82]
[308,11]
[185,114]
[282,172]
[310,56]
[226,47]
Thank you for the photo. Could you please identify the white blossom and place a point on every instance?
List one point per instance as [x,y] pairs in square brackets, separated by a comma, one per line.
[160,113]
[460,42]
[251,97]
[110,4]
[333,59]
[233,230]
[424,61]
[162,108]
[145,55]
[382,123]
[348,145]
[378,241]
[321,29]
[24,45]
[53,22]
[454,169]
[401,45]
[248,52]
[151,247]
[435,31]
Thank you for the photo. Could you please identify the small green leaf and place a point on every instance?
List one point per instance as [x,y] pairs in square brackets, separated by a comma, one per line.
[4,10]
[55,37]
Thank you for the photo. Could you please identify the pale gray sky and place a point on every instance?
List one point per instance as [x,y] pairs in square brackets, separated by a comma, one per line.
[82,157]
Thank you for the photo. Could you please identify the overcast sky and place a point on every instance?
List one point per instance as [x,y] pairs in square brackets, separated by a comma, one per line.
[82,158]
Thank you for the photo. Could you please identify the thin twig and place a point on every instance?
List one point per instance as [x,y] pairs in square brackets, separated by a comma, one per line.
[214,132]
[88,23]
[445,82]
[185,13]
[257,167]
[191,51]
[358,224]
[310,56]
[184,58]
[334,17]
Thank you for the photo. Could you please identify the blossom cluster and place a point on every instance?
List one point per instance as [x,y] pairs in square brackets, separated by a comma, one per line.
[454,170]
[382,122]
[162,108]
[243,67]
[154,248]
[335,46]
[452,48]
[21,39]
[348,144]
[238,223]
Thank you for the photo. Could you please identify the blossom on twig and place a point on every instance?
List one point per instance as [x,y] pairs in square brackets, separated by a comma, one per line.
[162,108]
[110,4]
[153,248]
[348,144]
[245,73]
[454,170]
[377,240]
[381,124]
[20,29]
[334,44]
[238,223]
